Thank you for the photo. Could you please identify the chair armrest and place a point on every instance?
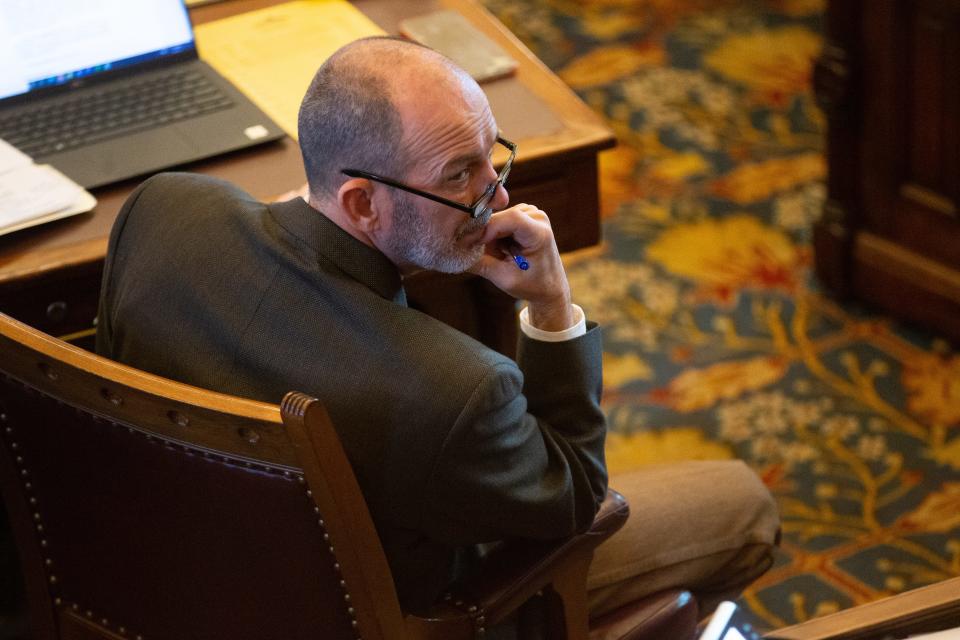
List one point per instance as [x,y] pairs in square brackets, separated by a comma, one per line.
[514,572]
[931,608]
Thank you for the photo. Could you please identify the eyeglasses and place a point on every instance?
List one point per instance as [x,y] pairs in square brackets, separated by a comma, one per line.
[474,210]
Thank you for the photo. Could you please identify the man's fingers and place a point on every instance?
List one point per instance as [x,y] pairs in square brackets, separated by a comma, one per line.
[523,222]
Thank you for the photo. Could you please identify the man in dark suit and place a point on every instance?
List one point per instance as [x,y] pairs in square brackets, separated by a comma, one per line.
[453,444]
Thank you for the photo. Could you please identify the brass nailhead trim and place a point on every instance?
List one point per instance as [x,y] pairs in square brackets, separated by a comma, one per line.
[351,612]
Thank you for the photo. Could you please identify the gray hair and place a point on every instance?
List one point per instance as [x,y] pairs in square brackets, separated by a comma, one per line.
[348,120]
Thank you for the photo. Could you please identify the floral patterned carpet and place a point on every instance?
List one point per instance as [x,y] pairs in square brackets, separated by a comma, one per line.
[718,342]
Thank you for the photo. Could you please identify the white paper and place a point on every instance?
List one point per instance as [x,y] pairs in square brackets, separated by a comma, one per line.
[11,157]
[32,194]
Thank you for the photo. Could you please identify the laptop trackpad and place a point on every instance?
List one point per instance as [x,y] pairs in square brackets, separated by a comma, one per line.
[130,155]
[145,152]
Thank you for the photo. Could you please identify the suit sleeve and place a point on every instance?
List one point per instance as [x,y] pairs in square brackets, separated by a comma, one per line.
[104,337]
[525,457]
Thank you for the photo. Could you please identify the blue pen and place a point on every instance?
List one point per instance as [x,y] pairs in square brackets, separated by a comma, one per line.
[512,250]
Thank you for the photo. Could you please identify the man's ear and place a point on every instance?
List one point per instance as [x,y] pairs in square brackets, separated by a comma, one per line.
[355,197]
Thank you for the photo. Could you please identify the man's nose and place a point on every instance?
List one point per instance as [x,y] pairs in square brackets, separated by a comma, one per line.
[500,199]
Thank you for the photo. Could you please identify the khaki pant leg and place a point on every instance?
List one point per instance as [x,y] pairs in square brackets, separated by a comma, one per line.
[708,526]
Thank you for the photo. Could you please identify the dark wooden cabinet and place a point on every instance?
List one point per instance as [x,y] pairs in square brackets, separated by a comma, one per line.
[889,82]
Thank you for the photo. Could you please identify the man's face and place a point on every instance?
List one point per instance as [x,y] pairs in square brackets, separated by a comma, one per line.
[451,140]
[420,237]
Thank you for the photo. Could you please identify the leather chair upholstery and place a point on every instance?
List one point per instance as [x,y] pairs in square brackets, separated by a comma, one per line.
[144,508]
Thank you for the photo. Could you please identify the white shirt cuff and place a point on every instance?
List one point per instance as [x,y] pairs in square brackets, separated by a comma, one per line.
[578,329]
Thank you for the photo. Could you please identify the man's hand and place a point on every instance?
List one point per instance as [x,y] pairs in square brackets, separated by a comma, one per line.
[524,229]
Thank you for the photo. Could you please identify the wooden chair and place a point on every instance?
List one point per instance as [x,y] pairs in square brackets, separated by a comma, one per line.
[143,508]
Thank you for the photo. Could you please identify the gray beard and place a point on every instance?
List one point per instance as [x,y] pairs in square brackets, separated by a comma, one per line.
[416,242]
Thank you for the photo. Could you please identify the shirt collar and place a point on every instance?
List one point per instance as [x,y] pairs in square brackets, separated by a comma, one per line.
[334,245]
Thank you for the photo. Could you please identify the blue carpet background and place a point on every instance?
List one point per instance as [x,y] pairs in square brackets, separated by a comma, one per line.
[718,342]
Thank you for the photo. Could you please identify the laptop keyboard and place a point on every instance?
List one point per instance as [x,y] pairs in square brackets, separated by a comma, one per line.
[112,111]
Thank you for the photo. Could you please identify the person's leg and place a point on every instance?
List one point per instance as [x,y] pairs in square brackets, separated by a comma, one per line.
[709,527]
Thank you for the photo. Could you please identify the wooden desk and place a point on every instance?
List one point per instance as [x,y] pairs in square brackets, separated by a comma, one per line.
[932,608]
[50,275]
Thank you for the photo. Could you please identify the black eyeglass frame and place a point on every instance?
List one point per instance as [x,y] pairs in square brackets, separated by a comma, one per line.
[474,210]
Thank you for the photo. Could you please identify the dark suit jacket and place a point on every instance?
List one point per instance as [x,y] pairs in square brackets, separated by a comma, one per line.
[453,444]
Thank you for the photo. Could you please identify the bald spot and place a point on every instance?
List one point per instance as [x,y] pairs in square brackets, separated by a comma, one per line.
[418,79]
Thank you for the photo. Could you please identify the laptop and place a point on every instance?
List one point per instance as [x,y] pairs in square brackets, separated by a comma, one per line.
[106,90]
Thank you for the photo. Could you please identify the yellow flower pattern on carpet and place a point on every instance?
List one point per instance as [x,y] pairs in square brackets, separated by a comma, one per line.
[729,254]
[939,512]
[775,64]
[759,181]
[673,444]
[606,65]
[697,389]
[933,384]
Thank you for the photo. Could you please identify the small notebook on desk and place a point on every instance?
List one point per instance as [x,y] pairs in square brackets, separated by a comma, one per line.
[455,37]
[32,194]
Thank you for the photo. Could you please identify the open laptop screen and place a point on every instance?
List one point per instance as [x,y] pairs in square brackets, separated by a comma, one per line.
[45,43]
